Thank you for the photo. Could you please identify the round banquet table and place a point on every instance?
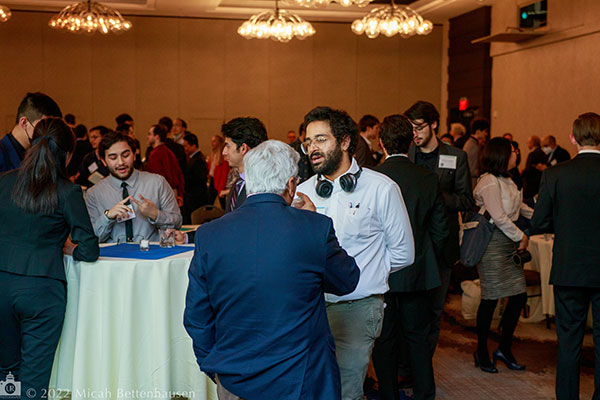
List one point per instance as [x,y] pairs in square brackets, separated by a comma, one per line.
[123,334]
[540,247]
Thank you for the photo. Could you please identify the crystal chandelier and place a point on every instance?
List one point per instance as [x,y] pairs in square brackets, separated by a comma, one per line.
[392,20]
[89,17]
[4,13]
[278,25]
[325,3]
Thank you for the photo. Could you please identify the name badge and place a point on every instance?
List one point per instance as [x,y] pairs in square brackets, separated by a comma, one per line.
[447,161]
[92,167]
[553,162]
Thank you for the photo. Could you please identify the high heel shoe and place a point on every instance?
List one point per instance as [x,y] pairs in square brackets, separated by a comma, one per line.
[485,368]
[510,364]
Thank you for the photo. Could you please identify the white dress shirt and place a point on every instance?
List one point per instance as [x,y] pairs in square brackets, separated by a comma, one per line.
[504,201]
[371,224]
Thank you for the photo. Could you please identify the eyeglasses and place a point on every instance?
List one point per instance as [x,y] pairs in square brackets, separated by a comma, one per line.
[418,128]
[319,141]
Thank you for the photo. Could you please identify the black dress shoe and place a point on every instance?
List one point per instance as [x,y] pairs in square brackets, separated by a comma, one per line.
[488,367]
[510,364]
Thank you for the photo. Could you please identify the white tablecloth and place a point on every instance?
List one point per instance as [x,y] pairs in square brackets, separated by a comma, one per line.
[123,335]
[541,261]
[540,247]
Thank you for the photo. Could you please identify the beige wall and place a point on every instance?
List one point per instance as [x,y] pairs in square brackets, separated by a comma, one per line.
[540,86]
[204,72]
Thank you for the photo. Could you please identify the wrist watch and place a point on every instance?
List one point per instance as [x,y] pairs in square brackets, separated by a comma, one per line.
[106,213]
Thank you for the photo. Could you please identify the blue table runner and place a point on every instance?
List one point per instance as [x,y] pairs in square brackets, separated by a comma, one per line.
[132,250]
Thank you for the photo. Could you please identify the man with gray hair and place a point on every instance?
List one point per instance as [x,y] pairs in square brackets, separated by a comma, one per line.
[255,308]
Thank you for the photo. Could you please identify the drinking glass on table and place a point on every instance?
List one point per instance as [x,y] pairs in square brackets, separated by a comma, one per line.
[167,236]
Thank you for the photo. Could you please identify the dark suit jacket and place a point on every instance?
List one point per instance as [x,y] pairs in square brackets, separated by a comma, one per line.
[531,175]
[457,192]
[82,148]
[11,153]
[31,244]
[426,210]
[363,154]
[255,307]
[179,152]
[196,177]
[559,155]
[240,199]
[568,206]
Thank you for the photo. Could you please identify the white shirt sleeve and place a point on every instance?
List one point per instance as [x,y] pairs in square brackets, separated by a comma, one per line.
[490,194]
[526,211]
[396,226]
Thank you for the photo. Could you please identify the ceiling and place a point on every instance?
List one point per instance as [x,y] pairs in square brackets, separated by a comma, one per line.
[437,11]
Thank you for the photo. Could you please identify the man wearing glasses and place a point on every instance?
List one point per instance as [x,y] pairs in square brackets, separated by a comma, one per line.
[33,108]
[372,225]
[451,166]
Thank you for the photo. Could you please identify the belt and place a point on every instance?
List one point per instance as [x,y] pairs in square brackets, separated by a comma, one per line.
[379,296]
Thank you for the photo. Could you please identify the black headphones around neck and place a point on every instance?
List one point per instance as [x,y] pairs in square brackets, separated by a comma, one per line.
[347,183]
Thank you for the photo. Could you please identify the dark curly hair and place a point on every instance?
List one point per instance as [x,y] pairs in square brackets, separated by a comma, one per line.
[341,124]
[245,130]
[424,110]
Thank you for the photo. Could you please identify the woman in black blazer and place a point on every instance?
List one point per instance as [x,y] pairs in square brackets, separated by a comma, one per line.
[39,207]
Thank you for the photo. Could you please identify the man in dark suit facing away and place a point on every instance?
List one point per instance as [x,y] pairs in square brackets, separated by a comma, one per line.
[255,307]
[451,166]
[407,318]
[568,206]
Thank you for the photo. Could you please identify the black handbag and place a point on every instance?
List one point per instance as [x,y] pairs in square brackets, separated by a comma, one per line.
[477,233]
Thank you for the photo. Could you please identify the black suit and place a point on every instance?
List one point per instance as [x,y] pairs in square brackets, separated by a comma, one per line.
[363,153]
[531,175]
[33,282]
[240,197]
[407,318]
[568,206]
[196,189]
[557,156]
[82,148]
[455,184]
[179,152]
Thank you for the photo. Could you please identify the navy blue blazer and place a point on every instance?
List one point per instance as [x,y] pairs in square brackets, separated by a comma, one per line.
[255,307]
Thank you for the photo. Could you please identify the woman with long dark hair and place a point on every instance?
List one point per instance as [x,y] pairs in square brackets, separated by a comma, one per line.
[39,208]
[500,275]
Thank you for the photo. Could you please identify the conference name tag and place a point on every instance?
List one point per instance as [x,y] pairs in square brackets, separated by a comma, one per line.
[92,167]
[446,161]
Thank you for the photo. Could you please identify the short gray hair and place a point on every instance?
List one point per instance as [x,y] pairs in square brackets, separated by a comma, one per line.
[269,166]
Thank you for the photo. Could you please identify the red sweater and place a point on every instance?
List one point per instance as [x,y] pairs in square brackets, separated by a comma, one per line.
[162,161]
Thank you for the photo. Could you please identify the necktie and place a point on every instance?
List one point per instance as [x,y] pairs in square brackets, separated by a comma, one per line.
[128,223]
[236,191]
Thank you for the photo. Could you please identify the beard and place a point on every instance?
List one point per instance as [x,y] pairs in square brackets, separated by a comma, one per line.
[331,161]
[122,175]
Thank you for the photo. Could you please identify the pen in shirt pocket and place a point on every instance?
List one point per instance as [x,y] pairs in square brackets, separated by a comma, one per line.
[356,208]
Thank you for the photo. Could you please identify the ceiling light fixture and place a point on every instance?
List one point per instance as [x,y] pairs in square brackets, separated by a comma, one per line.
[392,20]
[278,25]
[325,3]
[4,13]
[89,17]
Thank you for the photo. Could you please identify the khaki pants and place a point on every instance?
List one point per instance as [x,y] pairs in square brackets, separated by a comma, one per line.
[224,394]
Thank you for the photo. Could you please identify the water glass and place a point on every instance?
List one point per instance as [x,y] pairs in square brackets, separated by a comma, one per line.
[167,236]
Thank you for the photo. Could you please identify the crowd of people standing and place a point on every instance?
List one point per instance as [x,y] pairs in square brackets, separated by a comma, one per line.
[357,268]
